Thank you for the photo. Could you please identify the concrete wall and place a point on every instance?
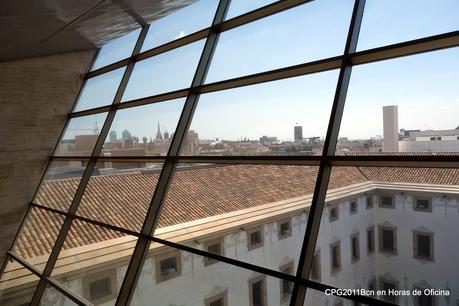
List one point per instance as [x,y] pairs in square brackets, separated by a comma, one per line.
[35,96]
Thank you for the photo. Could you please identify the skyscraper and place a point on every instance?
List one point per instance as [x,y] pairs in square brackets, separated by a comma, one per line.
[390,122]
[126,135]
[298,132]
[112,136]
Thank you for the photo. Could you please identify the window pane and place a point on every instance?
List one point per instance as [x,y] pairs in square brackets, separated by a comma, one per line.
[144,130]
[60,183]
[90,254]
[80,135]
[239,7]
[100,90]
[204,284]
[53,297]
[286,117]
[234,201]
[397,106]
[166,72]
[37,236]
[17,285]
[315,30]
[395,230]
[116,50]
[119,193]
[183,22]
[393,21]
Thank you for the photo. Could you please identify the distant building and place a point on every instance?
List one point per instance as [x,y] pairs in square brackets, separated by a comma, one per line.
[298,132]
[390,126]
[166,135]
[430,141]
[159,135]
[268,139]
[112,136]
[126,135]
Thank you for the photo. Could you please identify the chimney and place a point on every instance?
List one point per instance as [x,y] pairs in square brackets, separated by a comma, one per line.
[390,123]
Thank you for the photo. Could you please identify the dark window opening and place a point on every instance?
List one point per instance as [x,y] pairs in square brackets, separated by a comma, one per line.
[100,288]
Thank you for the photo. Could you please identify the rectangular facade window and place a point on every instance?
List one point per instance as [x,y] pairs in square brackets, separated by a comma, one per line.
[388,240]
[422,204]
[257,291]
[315,269]
[371,240]
[168,266]
[284,229]
[423,245]
[386,201]
[353,207]
[335,257]
[387,285]
[215,246]
[217,300]
[372,286]
[100,287]
[355,247]
[333,213]
[370,202]
[424,300]
[255,238]
[286,287]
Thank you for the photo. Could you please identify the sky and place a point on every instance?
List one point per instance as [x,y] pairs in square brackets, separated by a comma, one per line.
[423,86]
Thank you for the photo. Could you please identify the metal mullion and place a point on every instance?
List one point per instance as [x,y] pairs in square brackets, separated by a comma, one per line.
[86,177]
[226,260]
[176,94]
[323,177]
[66,291]
[88,112]
[108,68]
[24,263]
[411,47]
[222,26]
[152,216]
[275,74]
[247,80]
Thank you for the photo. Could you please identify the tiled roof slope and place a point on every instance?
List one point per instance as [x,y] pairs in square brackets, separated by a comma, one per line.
[195,193]
[439,176]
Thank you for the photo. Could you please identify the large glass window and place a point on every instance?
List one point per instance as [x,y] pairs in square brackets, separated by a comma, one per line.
[302,34]
[201,195]
[166,72]
[395,21]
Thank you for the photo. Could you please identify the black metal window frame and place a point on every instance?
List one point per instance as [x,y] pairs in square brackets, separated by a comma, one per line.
[325,162]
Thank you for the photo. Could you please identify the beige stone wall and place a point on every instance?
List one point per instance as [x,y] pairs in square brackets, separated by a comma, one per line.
[35,96]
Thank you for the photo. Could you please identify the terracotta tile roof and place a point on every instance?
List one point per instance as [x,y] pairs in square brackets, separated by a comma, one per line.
[440,176]
[195,193]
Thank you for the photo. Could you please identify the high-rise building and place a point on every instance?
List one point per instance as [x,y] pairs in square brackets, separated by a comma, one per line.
[298,132]
[390,123]
[126,135]
[112,136]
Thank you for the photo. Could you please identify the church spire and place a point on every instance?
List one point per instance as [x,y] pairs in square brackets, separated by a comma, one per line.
[159,135]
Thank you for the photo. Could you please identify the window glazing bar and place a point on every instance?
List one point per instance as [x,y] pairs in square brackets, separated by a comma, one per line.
[323,177]
[86,176]
[152,216]
[427,44]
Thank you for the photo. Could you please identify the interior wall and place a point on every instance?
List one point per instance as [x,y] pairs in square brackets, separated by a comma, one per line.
[36,94]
